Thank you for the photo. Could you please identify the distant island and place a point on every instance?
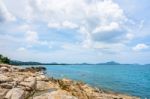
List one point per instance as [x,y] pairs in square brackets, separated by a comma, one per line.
[6,60]
[14,62]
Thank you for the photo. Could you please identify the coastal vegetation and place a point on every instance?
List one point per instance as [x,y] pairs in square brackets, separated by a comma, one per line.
[4,59]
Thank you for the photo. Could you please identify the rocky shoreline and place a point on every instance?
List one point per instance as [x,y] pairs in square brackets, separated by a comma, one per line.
[31,83]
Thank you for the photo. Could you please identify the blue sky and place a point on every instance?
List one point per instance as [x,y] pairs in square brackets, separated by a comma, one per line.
[75,31]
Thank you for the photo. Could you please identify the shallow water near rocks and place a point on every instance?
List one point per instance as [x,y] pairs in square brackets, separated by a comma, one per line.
[127,79]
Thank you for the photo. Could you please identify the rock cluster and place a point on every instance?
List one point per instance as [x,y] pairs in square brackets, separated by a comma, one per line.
[31,83]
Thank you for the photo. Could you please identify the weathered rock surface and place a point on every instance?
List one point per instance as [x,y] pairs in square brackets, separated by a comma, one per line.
[4,78]
[3,92]
[15,93]
[42,85]
[56,95]
[31,83]
[42,77]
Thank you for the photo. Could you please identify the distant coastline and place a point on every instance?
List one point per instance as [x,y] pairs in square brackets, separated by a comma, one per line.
[6,60]
[14,62]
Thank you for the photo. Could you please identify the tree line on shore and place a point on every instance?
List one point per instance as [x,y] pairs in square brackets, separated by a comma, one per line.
[4,59]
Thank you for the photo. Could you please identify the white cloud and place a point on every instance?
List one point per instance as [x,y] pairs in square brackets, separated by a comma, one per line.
[110,27]
[106,22]
[104,47]
[54,25]
[24,27]
[64,24]
[140,47]
[100,20]
[129,36]
[67,24]
[21,49]
[33,38]
[141,25]
[107,32]
[5,15]
[43,42]
[99,26]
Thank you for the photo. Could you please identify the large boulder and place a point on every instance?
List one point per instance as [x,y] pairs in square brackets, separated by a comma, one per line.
[4,69]
[19,78]
[43,85]
[59,94]
[5,65]
[29,83]
[3,93]
[7,85]
[4,78]
[33,69]
[42,78]
[15,93]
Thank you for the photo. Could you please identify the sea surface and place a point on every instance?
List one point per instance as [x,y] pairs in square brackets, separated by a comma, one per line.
[127,79]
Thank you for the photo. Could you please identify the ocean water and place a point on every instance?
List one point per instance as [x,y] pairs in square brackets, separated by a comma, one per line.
[127,79]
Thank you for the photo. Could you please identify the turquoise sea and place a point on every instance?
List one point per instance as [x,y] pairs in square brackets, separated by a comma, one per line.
[128,79]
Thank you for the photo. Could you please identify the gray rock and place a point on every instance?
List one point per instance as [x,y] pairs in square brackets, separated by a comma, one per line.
[5,65]
[15,93]
[6,85]
[4,78]
[29,83]
[3,92]
[4,69]
[42,85]
[19,78]
[55,95]
[41,78]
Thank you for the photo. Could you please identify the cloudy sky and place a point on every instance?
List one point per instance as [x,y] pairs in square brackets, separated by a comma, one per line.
[75,30]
